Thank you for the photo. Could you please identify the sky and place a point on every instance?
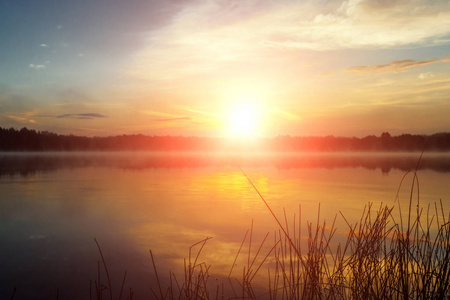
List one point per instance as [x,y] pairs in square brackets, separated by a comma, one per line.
[173,67]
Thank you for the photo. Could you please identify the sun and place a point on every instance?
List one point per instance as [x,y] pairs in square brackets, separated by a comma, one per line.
[243,120]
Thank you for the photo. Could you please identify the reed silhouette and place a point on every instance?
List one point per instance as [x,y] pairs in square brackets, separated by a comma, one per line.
[385,256]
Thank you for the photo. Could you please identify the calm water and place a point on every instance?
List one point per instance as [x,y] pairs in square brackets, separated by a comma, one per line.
[53,205]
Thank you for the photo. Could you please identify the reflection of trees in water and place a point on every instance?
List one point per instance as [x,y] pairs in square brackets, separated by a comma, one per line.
[30,164]
[372,162]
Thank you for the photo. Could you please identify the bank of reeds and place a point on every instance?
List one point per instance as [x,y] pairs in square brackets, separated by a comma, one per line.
[382,257]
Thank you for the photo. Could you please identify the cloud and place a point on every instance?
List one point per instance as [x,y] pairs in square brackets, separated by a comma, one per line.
[160,116]
[22,120]
[397,66]
[37,67]
[59,27]
[288,115]
[191,110]
[174,119]
[206,36]
[426,75]
[85,116]
[371,23]
[221,26]
[44,46]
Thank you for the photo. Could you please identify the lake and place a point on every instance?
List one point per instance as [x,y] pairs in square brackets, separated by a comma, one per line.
[53,205]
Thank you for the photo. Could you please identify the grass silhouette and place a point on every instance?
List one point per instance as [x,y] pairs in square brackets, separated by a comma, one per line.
[383,257]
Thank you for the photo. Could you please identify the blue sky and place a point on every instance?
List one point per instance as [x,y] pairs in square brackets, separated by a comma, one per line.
[353,67]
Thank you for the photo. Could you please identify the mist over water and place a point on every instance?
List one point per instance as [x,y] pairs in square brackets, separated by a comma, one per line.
[53,205]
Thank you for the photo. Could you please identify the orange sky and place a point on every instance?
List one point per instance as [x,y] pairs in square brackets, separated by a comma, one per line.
[350,68]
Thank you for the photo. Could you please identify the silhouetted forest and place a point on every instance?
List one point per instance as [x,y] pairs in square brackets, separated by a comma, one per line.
[30,140]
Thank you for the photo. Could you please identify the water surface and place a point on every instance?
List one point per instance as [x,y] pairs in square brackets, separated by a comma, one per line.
[53,205]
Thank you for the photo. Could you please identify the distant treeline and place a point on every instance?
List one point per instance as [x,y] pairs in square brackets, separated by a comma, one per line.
[30,140]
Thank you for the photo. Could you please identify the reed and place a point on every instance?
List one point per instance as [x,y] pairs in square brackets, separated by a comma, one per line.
[382,257]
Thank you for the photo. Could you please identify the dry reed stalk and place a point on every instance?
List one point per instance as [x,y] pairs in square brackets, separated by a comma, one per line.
[381,258]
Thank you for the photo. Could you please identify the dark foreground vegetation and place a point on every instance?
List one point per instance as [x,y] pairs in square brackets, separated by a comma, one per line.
[30,140]
[382,257]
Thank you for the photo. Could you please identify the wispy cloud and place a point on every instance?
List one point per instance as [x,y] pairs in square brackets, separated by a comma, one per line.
[162,115]
[370,23]
[165,117]
[397,66]
[23,120]
[426,75]
[207,35]
[85,116]
[288,115]
[174,119]
[37,67]
[197,111]
[44,46]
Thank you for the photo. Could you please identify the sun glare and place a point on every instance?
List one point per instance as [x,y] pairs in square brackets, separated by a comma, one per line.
[243,120]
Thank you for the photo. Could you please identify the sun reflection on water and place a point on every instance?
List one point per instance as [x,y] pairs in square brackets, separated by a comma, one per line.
[170,207]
